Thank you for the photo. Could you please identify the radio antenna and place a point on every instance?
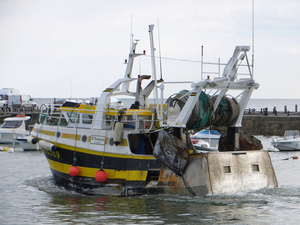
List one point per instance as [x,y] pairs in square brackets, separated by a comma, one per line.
[131,34]
[160,64]
[252,38]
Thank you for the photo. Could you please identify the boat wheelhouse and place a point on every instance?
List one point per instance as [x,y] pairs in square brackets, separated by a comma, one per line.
[13,127]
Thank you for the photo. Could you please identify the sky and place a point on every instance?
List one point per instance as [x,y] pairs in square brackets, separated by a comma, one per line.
[76,48]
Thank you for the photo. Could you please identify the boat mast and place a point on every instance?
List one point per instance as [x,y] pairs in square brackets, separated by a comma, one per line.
[153,65]
[129,62]
[252,38]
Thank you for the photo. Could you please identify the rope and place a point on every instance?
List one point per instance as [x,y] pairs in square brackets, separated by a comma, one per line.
[201,117]
[76,121]
[202,114]
[102,162]
[187,186]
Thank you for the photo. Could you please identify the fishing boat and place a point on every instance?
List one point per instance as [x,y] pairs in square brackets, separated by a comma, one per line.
[290,141]
[12,128]
[145,148]
[210,136]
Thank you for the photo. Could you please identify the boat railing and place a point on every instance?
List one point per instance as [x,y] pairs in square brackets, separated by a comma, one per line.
[86,118]
[214,69]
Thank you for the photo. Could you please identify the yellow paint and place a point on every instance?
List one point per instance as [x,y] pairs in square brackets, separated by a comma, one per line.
[81,109]
[159,106]
[139,112]
[47,132]
[131,175]
[124,142]
[167,175]
[71,136]
[108,90]
[92,152]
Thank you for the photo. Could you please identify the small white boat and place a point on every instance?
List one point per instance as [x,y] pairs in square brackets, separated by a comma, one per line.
[210,136]
[200,144]
[28,143]
[290,142]
[12,128]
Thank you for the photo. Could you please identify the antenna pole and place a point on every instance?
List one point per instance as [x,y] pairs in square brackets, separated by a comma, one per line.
[71,86]
[131,34]
[202,62]
[252,38]
[159,50]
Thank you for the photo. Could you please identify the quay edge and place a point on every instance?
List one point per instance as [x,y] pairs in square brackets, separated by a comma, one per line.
[253,124]
[270,125]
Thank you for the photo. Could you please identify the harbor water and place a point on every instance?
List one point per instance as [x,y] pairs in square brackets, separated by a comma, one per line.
[29,196]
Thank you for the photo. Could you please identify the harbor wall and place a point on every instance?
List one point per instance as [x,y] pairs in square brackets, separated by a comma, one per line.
[270,125]
[256,124]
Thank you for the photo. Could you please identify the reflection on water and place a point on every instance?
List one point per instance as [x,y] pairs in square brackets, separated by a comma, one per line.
[66,206]
[29,196]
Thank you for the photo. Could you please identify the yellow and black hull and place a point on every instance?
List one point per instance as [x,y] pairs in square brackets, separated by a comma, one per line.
[126,175]
[205,173]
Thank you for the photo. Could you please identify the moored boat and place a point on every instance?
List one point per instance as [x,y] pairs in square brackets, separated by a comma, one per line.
[210,136]
[290,141]
[12,128]
[28,143]
[114,149]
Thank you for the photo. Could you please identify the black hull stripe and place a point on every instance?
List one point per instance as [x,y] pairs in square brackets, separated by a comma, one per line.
[94,161]
[89,173]
[90,186]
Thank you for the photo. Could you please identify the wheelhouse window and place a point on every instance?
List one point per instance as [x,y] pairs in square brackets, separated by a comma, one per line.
[11,124]
[87,118]
[73,116]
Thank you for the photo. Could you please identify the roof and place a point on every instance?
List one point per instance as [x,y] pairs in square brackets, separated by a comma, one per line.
[17,118]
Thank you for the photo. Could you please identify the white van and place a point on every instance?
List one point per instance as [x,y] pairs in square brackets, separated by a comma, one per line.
[15,100]
[10,96]
[28,102]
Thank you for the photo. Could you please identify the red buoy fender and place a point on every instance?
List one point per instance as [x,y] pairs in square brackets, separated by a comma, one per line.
[195,141]
[101,176]
[74,171]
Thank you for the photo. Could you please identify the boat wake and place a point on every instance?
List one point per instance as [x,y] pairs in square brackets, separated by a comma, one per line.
[47,184]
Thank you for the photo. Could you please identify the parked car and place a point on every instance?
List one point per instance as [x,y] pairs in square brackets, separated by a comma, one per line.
[2,102]
[28,102]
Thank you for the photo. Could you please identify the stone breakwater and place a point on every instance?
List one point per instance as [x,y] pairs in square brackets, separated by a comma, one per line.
[271,124]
